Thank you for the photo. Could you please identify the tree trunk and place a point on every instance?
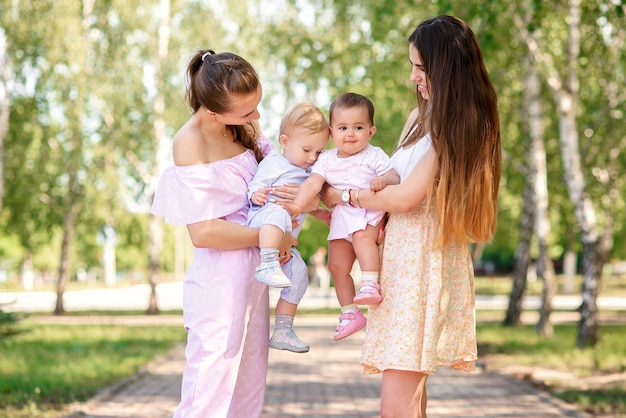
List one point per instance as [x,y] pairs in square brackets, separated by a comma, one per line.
[592,271]
[75,159]
[155,239]
[592,258]
[522,257]
[68,232]
[5,95]
[565,91]
[565,97]
[545,270]
[28,275]
[155,243]
[539,178]
[532,117]
[569,264]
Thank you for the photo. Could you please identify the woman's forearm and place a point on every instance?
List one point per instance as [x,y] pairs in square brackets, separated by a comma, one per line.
[403,197]
[391,199]
[222,235]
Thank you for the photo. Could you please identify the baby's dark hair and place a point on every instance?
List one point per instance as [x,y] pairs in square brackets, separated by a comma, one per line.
[349,100]
[212,80]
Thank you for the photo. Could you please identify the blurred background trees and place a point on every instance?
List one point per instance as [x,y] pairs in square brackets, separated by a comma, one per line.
[91,93]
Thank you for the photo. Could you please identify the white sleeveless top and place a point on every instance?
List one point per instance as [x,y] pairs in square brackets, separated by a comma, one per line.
[404,160]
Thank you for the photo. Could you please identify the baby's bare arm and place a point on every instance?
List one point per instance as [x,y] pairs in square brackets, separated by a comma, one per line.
[380,182]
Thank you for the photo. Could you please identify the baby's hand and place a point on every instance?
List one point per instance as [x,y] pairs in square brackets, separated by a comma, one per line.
[378,184]
[260,197]
[291,207]
[322,214]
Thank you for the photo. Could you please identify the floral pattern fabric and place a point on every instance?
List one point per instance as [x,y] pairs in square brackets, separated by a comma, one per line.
[427,317]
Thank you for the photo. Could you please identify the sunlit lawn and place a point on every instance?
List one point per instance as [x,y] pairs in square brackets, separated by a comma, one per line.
[50,366]
[521,346]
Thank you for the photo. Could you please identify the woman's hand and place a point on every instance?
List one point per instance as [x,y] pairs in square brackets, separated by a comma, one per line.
[284,249]
[331,197]
[322,214]
[285,192]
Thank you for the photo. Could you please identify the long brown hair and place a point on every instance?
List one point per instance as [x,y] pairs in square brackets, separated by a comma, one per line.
[462,117]
[211,81]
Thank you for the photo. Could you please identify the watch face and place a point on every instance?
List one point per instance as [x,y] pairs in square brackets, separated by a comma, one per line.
[345,196]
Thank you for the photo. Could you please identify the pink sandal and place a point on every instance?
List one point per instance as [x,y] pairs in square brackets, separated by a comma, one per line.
[357,321]
[369,294]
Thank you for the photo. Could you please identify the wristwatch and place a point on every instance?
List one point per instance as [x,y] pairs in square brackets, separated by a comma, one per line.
[345,197]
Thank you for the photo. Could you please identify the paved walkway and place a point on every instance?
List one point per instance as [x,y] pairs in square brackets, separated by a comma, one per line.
[327,382]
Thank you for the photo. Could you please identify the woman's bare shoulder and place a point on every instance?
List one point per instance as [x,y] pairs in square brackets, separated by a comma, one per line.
[188,146]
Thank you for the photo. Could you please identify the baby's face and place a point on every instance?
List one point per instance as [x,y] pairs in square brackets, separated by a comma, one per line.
[302,147]
[351,130]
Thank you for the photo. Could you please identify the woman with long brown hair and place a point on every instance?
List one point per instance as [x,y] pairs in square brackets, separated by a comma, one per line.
[449,161]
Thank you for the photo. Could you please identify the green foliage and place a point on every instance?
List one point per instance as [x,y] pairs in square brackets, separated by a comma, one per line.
[81,128]
[9,324]
[10,250]
[313,235]
[605,402]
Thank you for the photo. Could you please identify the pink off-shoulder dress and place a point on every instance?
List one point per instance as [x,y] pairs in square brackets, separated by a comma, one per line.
[225,310]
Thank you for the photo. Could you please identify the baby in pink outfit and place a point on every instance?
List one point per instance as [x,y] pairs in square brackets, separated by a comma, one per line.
[352,165]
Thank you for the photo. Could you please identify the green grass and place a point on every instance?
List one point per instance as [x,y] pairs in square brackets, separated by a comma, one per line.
[501,285]
[50,366]
[521,346]
[607,402]
[526,347]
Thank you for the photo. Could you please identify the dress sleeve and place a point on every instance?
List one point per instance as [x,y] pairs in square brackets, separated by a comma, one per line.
[265,144]
[379,161]
[191,194]
[321,165]
[263,177]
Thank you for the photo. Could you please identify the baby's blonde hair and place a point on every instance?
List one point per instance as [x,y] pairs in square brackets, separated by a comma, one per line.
[304,115]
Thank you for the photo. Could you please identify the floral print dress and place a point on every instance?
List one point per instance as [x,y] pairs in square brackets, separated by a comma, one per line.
[426,318]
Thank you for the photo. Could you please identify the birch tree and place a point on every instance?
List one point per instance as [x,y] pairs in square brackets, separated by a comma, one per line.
[80,69]
[155,224]
[565,90]
[542,227]
[6,81]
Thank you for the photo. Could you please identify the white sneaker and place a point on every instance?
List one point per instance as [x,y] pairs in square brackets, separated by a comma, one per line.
[272,275]
[286,339]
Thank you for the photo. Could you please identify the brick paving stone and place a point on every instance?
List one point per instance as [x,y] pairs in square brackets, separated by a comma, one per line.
[327,382]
